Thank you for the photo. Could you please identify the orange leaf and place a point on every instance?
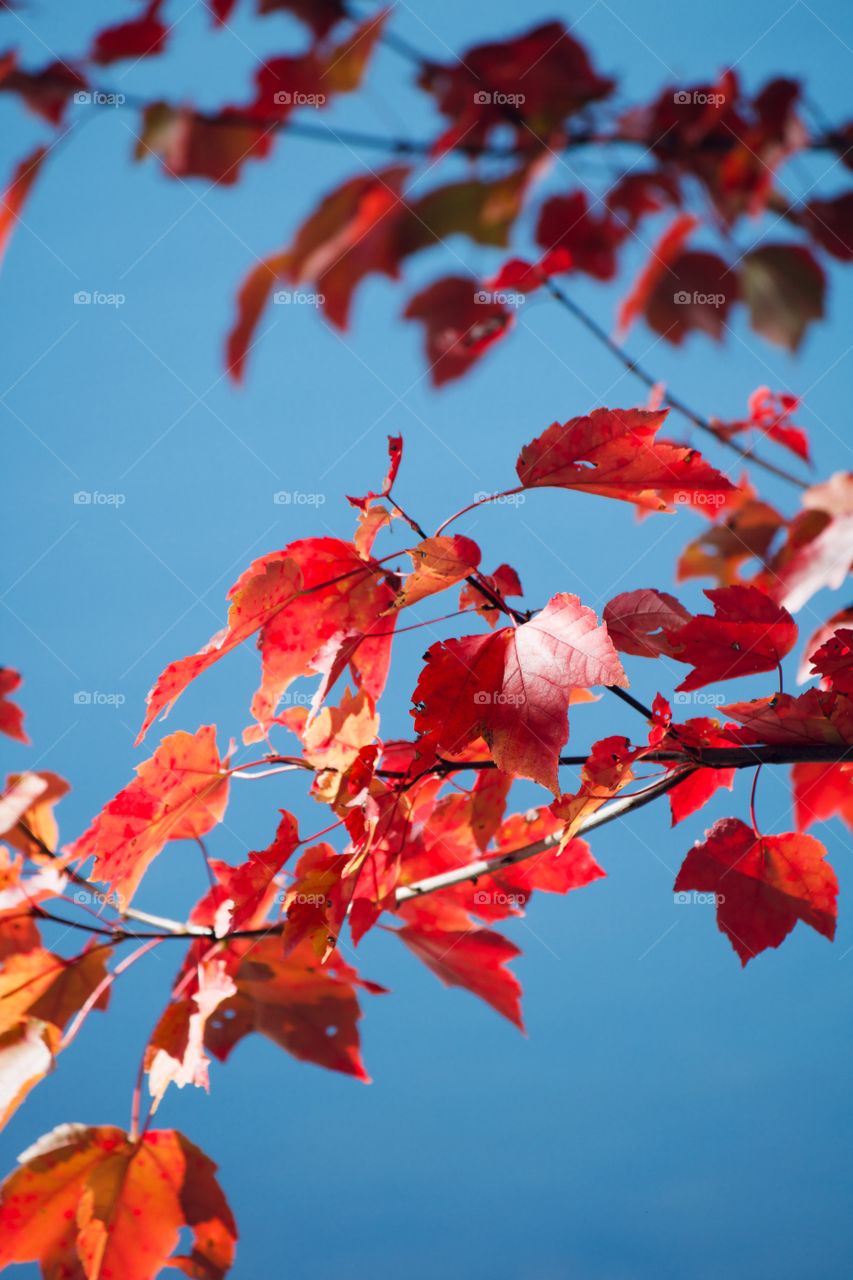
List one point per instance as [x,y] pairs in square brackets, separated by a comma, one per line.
[179,794]
[89,1201]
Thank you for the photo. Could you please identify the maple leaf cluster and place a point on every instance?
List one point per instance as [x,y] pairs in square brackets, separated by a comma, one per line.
[422,840]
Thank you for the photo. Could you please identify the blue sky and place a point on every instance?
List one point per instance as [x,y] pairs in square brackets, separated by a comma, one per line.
[668,1115]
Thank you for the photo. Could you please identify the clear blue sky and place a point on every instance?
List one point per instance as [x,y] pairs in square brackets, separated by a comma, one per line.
[669,1116]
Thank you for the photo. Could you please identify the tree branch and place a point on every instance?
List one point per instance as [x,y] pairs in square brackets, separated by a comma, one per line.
[674,402]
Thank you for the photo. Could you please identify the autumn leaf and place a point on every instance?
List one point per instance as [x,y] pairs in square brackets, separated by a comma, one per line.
[512,688]
[503,582]
[461,322]
[181,793]
[175,1052]
[747,634]
[816,716]
[637,621]
[818,551]
[191,145]
[27,820]
[474,959]
[763,884]
[607,770]
[11,715]
[319,15]
[822,791]
[252,298]
[545,70]
[39,993]
[140,38]
[833,661]
[308,1008]
[242,895]
[613,453]
[93,1202]
[783,285]
[15,196]
[319,607]
[438,563]
[47,91]
[589,240]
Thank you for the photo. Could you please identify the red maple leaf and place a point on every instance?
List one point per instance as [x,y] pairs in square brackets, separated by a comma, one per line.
[512,688]
[461,321]
[11,715]
[613,452]
[763,884]
[747,634]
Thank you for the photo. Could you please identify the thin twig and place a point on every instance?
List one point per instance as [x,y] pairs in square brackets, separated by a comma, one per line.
[673,401]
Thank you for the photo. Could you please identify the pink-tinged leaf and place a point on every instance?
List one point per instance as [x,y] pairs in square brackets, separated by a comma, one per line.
[637,621]
[763,884]
[512,688]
